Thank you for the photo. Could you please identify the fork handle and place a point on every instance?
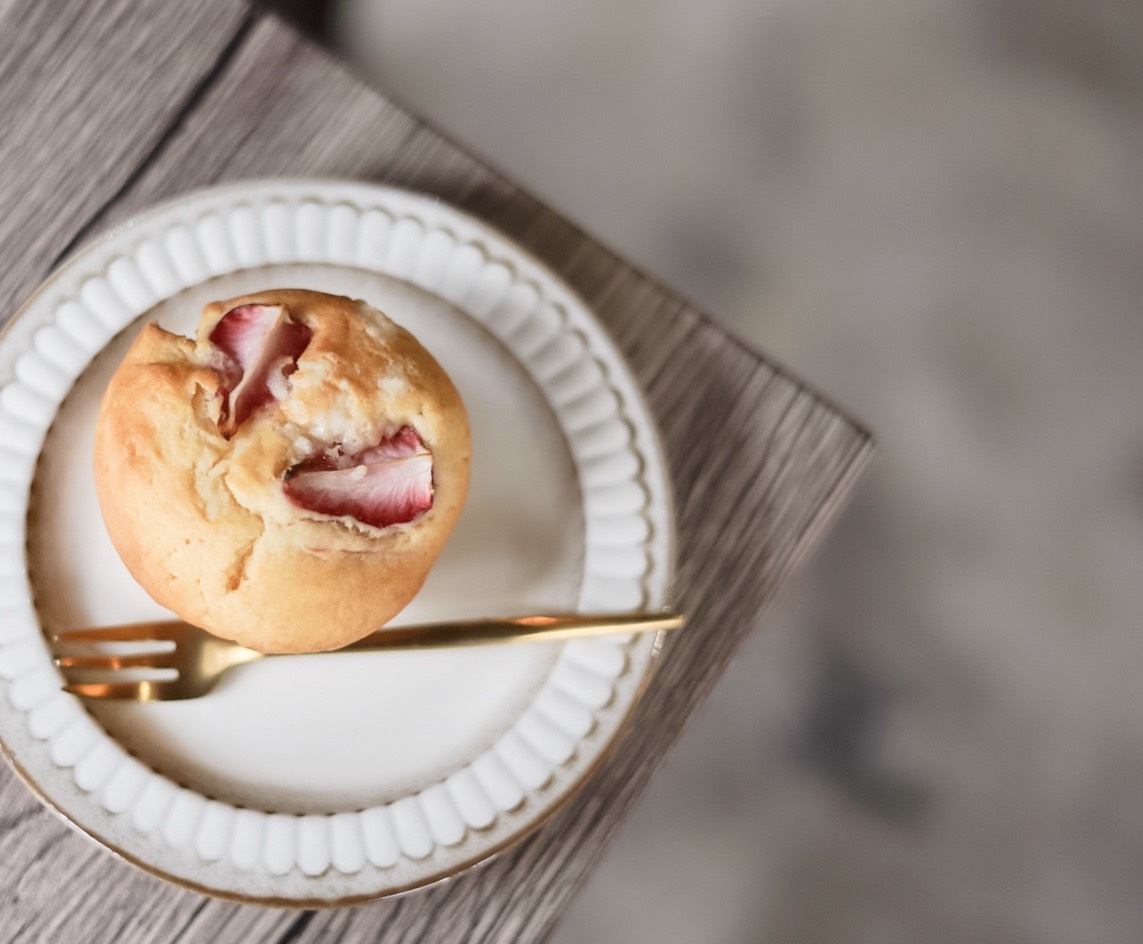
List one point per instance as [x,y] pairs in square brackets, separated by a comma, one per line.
[552,628]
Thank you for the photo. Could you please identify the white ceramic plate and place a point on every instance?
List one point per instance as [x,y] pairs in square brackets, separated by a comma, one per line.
[333,778]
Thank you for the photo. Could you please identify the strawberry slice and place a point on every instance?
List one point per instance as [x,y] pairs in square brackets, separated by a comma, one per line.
[260,347]
[405,442]
[390,483]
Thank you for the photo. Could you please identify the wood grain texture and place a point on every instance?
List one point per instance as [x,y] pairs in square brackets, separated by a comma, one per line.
[87,90]
[759,462]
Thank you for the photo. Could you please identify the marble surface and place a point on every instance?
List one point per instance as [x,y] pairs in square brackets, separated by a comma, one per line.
[934,210]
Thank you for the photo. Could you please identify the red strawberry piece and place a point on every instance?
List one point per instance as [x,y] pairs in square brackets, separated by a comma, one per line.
[390,483]
[404,442]
[260,347]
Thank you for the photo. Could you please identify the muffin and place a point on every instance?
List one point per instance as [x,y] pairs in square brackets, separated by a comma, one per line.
[288,478]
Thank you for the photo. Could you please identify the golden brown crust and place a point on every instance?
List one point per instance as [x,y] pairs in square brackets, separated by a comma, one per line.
[202,522]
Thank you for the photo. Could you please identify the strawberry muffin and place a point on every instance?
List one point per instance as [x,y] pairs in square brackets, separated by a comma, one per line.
[287,479]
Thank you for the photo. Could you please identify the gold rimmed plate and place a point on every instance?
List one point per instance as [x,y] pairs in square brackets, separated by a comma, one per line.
[332,778]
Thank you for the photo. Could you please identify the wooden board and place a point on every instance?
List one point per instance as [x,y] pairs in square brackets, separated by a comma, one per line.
[109,106]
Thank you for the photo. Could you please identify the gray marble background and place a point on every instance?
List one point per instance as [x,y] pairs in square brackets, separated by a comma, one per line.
[933,209]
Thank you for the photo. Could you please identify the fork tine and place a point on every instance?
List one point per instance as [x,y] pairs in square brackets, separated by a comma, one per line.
[147,660]
[138,632]
[129,691]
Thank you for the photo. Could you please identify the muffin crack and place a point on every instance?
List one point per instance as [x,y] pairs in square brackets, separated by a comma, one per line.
[236,573]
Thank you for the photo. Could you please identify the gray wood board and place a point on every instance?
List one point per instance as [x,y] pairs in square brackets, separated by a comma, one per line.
[95,131]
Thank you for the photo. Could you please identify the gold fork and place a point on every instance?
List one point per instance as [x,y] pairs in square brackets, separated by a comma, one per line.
[201,659]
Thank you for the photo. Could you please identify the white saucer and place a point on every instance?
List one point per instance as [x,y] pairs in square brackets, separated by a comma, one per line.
[333,778]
